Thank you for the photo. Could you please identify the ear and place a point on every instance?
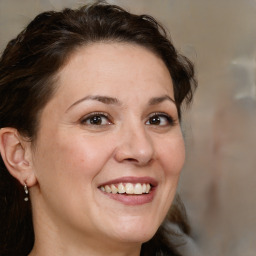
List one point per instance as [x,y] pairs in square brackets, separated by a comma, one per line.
[17,156]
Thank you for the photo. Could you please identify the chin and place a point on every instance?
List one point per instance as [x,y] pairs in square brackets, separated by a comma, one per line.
[139,238]
[136,233]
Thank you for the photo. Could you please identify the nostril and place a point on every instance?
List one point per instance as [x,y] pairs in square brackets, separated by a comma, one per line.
[141,162]
[131,160]
[138,151]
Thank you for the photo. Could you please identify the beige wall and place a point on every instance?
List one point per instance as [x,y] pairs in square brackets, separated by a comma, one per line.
[218,184]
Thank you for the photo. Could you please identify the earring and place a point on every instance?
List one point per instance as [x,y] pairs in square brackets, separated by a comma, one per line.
[26,192]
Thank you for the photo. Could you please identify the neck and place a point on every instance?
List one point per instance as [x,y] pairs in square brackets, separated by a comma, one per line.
[71,249]
[54,239]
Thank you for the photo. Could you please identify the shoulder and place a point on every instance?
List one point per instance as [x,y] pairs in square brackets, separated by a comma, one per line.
[186,246]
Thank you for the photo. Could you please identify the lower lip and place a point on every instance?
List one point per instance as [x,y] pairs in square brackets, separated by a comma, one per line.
[132,199]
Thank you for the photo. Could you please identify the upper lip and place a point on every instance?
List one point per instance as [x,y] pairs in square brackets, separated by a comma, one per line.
[131,179]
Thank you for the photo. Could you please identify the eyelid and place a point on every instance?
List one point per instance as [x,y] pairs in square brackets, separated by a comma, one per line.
[169,118]
[88,116]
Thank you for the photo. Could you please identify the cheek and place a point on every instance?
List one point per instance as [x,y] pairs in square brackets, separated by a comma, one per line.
[66,169]
[79,155]
[172,156]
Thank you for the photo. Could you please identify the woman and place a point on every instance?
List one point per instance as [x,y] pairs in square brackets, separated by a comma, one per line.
[90,135]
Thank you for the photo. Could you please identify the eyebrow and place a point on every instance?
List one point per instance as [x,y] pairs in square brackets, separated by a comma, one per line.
[115,101]
[103,99]
[157,100]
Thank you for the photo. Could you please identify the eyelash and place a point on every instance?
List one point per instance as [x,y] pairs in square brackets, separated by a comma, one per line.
[88,118]
[95,114]
[169,119]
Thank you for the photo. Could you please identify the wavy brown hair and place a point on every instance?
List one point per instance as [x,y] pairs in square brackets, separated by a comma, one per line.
[28,66]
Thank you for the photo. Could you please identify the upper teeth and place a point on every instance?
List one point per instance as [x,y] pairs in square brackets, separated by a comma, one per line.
[128,188]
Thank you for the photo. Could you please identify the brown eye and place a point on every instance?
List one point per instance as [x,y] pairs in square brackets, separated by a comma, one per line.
[155,120]
[96,119]
[160,119]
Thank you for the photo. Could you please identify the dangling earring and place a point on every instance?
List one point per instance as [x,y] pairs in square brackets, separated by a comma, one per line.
[26,192]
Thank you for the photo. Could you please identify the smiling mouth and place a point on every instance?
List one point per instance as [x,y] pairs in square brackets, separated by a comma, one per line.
[127,188]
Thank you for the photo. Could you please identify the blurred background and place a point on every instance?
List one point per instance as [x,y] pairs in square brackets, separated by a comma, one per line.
[218,183]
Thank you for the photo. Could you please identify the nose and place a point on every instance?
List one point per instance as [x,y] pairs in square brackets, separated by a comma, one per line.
[135,146]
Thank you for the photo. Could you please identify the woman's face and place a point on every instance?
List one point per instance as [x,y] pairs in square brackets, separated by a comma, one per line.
[109,150]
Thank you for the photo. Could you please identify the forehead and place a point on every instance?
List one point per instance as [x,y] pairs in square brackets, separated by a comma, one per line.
[113,67]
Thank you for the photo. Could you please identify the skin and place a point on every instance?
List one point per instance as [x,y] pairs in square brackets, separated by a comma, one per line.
[71,157]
